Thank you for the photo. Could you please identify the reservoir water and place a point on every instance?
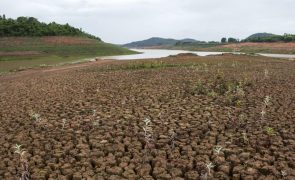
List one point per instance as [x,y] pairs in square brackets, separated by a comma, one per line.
[160,53]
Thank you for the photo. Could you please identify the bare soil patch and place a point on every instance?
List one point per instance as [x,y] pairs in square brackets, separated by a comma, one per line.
[64,40]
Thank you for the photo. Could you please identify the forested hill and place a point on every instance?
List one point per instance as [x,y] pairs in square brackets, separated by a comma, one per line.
[156,41]
[268,37]
[30,26]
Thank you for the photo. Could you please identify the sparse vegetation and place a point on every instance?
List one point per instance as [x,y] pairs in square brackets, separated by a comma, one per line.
[233,90]
[25,173]
[147,65]
[64,121]
[172,138]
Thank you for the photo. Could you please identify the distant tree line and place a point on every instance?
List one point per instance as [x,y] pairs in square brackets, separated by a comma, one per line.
[30,26]
[229,40]
[272,38]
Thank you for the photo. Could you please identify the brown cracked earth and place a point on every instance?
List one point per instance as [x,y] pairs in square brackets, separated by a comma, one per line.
[216,117]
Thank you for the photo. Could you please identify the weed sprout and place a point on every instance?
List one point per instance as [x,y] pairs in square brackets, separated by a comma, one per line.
[266,73]
[242,118]
[64,121]
[270,131]
[245,138]
[172,138]
[25,174]
[35,116]
[240,91]
[200,88]
[267,100]
[94,113]
[95,122]
[218,149]
[19,150]
[148,131]
[210,166]
[284,173]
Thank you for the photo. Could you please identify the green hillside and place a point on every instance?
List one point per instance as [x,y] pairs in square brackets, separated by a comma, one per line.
[26,42]
[268,37]
[23,52]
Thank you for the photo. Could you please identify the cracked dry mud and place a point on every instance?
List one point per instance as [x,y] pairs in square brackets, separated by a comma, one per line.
[92,118]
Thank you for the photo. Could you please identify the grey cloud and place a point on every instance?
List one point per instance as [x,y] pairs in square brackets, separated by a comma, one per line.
[121,21]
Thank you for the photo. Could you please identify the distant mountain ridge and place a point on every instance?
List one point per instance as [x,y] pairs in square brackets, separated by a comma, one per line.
[157,41]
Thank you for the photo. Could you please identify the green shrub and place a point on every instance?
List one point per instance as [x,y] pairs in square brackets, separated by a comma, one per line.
[233,90]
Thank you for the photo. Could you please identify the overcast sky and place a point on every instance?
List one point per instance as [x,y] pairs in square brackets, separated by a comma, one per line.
[122,21]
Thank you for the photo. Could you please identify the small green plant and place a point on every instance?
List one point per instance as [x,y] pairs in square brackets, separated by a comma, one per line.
[209,166]
[233,90]
[35,116]
[242,118]
[25,174]
[64,121]
[266,73]
[218,149]
[148,135]
[240,91]
[212,94]
[267,100]
[245,138]
[270,131]
[96,123]
[19,151]
[148,132]
[94,114]
[95,120]
[200,88]
[239,103]
[41,122]
[284,173]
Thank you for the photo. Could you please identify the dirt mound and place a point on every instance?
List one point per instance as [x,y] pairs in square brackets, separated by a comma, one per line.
[183,55]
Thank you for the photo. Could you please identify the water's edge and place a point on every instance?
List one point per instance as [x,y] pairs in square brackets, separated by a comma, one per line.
[161,53]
